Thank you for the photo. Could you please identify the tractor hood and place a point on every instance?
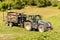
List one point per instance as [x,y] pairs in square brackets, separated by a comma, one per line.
[48,24]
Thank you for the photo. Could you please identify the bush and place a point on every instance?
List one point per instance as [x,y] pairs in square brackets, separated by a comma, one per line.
[54,3]
[47,3]
[18,4]
[58,5]
[3,6]
[1,0]
[11,4]
[43,3]
[40,3]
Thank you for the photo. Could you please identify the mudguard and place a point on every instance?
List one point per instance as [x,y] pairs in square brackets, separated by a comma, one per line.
[47,24]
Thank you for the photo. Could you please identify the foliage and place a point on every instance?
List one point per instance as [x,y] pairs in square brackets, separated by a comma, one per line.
[54,3]
[18,4]
[58,5]
[11,4]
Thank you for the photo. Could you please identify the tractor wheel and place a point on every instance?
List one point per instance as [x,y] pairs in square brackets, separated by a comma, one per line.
[28,26]
[22,25]
[7,24]
[41,28]
[10,24]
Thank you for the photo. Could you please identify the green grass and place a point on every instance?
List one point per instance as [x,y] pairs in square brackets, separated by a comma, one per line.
[18,33]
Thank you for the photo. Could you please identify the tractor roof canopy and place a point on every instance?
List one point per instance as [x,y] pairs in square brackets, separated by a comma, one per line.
[34,17]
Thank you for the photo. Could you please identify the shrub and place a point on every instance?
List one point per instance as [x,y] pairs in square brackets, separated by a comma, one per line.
[40,3]
[54,3]
[58,5]
[18,4]
[11,4]
[3,6]
[47,3]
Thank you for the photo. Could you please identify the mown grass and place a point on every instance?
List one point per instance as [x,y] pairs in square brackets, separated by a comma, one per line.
[18,33]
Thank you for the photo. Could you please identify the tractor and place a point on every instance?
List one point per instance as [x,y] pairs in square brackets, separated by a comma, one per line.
[35,22]
[14,18]
[29,22]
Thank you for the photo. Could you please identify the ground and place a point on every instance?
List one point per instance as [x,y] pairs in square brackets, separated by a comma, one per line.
[51,14]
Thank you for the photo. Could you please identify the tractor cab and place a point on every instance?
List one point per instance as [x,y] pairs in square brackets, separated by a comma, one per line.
[34,18]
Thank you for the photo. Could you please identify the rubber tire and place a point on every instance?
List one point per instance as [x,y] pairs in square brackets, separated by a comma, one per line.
[28,26]
[6,23]
[22,25]
[41,28]
[10,24]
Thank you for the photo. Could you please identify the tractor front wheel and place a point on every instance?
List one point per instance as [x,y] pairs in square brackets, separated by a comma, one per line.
[41,28]
[28,26]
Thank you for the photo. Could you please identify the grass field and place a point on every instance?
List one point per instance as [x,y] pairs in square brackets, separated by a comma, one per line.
[17,33]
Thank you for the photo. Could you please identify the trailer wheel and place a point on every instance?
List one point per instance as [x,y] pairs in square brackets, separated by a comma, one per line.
[22,25]
[7,24]
[10,24]
[41,28]
[27,26]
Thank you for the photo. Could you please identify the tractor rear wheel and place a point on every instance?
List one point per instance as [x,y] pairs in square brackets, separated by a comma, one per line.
[28,26]
[41,28]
